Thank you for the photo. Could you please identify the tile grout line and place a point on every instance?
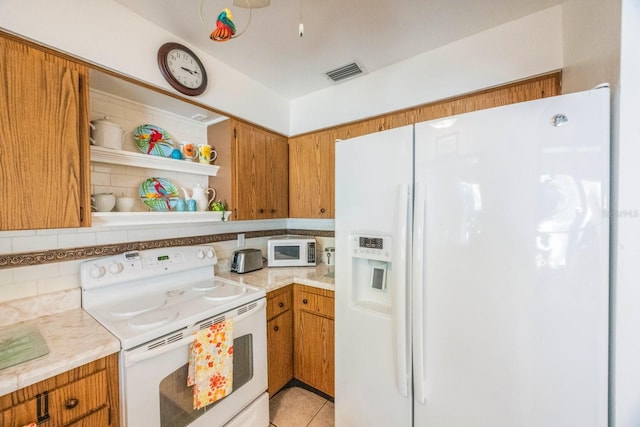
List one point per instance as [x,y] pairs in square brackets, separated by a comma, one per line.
[317,412]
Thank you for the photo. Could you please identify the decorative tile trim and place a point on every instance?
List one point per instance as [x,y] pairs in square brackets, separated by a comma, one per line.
[61,255]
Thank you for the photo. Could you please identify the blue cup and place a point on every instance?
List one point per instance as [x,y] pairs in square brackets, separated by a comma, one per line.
[181,206]
[191,205]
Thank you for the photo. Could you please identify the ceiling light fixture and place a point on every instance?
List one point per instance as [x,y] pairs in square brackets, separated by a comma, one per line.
[301,25]
[251,4]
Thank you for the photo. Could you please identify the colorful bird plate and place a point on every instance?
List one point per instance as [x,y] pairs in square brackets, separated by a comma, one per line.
[159,194]
[153,140]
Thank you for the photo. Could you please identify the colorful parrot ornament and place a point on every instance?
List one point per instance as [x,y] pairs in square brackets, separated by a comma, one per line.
[225,28]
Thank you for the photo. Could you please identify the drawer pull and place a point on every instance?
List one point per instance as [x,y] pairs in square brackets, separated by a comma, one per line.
[322,210]
[280,304]
[276,328]
[71,403]
[305,301]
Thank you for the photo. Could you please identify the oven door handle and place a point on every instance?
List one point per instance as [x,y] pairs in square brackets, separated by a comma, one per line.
[133,358]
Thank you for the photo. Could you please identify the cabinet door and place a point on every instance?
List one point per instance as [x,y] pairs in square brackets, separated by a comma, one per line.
[314,351]
[277,176]
[249,185]
[311,175]
[260,176]
[44,150]
[20,415]
[280,351]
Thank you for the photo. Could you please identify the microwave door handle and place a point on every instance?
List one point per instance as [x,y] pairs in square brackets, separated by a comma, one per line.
[131,359]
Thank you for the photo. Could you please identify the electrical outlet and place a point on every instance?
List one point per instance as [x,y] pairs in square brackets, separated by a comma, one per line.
[240,240]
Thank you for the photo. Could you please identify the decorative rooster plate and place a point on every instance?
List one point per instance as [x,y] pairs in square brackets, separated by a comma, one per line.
[159,194]
[153,140]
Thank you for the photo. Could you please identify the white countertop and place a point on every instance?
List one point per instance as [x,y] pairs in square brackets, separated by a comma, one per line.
[74,338]
[276,277]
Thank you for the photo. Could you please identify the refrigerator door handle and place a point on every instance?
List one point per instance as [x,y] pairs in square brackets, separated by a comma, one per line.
[402,345]
[417,296]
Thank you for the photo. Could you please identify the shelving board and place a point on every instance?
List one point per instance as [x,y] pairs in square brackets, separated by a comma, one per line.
[154,218]
[141,160]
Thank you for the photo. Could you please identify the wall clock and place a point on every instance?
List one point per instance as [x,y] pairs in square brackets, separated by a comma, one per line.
[182,69]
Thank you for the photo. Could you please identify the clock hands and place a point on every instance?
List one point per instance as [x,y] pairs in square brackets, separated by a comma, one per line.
[190,71]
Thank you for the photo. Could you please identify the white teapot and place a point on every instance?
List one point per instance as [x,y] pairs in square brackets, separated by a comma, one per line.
[199,194]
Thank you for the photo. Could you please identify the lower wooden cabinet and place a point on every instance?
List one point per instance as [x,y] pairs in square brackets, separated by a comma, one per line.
[279,338]
[314,338]
[82,397]
[300,337]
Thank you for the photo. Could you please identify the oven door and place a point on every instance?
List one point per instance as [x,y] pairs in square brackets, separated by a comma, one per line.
[154,376]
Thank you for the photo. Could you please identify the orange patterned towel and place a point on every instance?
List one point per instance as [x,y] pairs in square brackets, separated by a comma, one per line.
[211,364]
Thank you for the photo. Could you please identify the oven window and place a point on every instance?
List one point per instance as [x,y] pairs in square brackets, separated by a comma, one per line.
[176,399]
[287,252]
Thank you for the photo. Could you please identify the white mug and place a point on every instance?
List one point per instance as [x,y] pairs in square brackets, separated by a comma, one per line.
[103,202]
[125,204]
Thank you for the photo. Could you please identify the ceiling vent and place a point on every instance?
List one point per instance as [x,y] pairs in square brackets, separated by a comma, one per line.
[345,72]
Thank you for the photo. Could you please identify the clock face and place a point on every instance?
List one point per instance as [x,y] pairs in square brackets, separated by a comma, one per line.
[182,69]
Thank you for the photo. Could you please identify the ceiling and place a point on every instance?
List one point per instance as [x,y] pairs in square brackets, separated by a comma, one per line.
[375,33]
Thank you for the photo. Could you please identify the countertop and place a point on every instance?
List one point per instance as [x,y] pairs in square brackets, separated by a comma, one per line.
[74,338]
[273,278]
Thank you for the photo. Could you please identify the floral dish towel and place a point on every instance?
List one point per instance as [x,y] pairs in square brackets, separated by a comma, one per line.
[211,364]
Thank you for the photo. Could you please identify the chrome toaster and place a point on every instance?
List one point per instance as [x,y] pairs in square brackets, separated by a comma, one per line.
[246,260]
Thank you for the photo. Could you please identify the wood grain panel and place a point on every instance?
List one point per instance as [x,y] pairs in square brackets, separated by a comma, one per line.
[280,351]
[279,301]
[43,126]
[314,351]
[277,176]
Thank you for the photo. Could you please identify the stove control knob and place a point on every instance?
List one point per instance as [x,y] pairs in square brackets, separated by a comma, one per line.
[116,268]
[200,254]
[210,253]
[97,272]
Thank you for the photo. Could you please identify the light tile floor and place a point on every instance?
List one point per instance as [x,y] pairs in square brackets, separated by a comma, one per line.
[297,407]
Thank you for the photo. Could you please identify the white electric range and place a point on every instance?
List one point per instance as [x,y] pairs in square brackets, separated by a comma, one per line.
[154,301]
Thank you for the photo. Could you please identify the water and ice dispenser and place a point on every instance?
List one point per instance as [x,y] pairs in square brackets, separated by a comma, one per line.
[370,271]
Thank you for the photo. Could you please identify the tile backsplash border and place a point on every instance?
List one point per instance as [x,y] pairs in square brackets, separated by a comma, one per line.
[26,259]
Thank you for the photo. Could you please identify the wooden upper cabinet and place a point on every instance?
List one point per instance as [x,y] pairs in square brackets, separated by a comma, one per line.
[312,156]
[311,175]
[44,147]
[260,175]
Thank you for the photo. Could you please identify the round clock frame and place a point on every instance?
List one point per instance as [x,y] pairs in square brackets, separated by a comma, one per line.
[164,63]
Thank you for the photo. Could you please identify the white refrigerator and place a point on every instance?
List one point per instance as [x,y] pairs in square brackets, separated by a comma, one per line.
[472,269]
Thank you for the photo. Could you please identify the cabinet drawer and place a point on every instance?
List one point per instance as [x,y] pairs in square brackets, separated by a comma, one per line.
[314,303]
[278,302]
[78,398]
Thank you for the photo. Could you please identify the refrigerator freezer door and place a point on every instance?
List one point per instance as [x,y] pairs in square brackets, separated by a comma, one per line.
[373,208]
[514,298]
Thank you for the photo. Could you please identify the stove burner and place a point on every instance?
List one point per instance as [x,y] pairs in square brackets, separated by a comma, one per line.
[174,293]
[224,292]
[136,307]
[153,319]
[206,286]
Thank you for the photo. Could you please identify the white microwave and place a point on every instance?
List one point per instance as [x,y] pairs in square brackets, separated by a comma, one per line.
[291,251]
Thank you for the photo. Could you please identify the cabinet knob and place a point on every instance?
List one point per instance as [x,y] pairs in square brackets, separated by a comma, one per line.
[280,304]
[305,301]
[322,210]
[273,211]
[260,210]
[71,403]
[275,328]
